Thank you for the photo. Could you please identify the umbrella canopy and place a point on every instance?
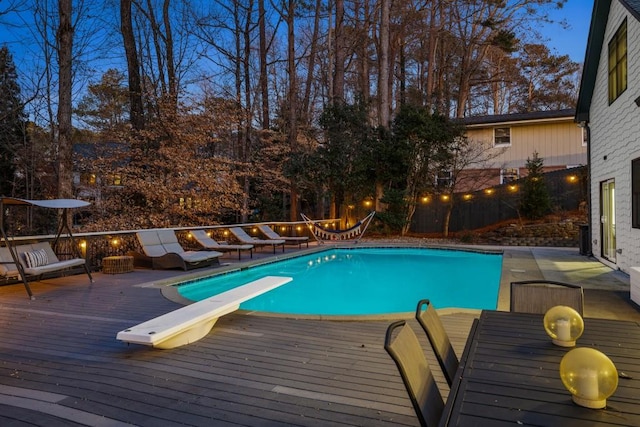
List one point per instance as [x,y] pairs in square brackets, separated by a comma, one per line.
[52,203]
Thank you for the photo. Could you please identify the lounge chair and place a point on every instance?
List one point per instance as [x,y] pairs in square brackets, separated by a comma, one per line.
[209,244]
[162,250]
[243,237]
[268,231]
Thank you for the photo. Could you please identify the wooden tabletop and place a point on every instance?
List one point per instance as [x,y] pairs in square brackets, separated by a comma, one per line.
[509,375]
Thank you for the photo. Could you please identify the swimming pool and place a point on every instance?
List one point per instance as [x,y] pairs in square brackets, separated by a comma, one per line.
[366,281]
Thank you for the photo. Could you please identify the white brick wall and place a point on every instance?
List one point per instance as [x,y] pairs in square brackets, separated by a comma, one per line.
[615,134]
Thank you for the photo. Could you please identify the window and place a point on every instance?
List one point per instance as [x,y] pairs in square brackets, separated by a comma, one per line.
[444,179]
[501,136]
[508,175]
[115,180]
[88,179]
[618,63]
[635,193]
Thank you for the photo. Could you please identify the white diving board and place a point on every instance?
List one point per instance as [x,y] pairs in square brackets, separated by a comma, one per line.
[192,322]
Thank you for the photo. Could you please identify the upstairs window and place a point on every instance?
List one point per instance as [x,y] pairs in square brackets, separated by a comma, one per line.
[618,63]
[508,175]
[635,193]
[444,179]
[501,137]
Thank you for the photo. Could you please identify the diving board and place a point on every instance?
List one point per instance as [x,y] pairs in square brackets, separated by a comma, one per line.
[192,322]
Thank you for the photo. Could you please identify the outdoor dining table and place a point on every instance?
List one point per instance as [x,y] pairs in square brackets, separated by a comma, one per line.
[509,375]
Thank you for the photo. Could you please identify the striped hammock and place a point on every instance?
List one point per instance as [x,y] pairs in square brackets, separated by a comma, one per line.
[323,234]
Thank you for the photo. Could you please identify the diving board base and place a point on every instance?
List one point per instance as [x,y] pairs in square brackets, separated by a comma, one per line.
[192,322]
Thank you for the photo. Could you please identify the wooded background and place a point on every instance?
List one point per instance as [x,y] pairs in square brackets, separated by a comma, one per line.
[237,110]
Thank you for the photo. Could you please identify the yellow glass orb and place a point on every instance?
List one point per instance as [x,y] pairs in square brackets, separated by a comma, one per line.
[564,325]
[589,375]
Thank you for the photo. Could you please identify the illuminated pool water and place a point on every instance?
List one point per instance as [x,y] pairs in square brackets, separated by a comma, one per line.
[366,281]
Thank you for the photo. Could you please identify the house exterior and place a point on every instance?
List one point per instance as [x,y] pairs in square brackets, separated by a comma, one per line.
[609,107]
[514,138]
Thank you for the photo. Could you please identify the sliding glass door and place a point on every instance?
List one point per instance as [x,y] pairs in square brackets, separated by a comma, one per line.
[608,219]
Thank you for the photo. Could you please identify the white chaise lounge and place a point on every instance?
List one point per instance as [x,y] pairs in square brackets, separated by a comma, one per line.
[162,250]
[210,244]
[243,237]
[192,322]
[291,240]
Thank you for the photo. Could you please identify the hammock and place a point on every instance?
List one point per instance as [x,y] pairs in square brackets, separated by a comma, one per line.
[323,234]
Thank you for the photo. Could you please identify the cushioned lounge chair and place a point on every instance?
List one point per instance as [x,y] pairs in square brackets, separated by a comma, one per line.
[243,237]
[162,250]
[209,244]
[291,240]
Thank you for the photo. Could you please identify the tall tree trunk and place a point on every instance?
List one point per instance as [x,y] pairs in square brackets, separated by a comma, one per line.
[293,100]
[133,67]
[170,60]
[248,129]
[384,72]
[338,74]
[65,129]
[264,88]
[432,47]
[313,53]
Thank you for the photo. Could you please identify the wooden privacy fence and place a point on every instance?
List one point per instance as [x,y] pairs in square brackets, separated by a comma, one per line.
[567,190]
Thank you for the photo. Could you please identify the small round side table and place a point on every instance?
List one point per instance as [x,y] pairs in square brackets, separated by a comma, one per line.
[117,264]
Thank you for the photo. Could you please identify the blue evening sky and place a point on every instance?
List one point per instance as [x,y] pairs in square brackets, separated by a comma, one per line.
[571,41]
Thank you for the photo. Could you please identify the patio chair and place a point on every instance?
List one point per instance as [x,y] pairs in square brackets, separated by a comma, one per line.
[405,350]
[209,244]
[243,237]
[538,296]
[432,325]
[162,250]
[269,233]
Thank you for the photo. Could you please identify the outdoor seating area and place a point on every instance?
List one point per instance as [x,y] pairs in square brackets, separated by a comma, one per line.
[512,354]
[253,369]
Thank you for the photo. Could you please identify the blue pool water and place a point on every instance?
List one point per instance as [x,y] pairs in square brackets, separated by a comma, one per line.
[366,281]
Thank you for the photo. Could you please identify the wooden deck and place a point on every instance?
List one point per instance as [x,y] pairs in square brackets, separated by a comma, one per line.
[61,365]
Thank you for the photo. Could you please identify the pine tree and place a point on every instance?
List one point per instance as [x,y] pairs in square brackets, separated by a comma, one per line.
[12,120]
[535,201]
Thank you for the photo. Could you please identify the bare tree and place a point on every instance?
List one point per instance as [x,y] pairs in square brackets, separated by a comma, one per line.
[65,129]
[133,66]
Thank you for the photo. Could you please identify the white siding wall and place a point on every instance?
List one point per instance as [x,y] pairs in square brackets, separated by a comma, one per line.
[615,134]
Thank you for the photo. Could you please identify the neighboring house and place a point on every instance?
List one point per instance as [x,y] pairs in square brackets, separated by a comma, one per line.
[95,168]
[609,105]
[514,138]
